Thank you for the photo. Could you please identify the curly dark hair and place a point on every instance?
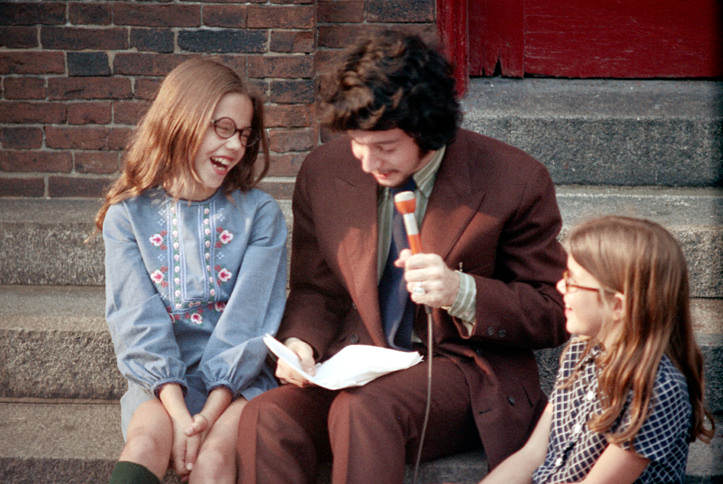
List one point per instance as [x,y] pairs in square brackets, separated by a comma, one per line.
[395,80]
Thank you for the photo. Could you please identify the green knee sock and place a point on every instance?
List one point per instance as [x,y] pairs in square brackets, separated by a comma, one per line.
[131,473]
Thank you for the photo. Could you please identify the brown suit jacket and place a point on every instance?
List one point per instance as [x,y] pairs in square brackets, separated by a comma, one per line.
[492,210]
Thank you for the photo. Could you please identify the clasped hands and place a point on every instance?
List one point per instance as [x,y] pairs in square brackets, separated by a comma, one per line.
[429,282]
[189,434]
[190,431]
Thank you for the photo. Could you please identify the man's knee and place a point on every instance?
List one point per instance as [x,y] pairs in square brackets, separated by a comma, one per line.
[275,422]
[359,408]
[264,412]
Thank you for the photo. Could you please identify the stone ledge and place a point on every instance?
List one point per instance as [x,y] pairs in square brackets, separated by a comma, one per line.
[42,240]
[64,442]
[598,132]
[54,343]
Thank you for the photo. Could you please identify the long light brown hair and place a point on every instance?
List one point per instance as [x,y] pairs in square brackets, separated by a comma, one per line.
[168,136]
[642,261]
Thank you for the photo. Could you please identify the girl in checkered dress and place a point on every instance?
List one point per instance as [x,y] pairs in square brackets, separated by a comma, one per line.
[629,392]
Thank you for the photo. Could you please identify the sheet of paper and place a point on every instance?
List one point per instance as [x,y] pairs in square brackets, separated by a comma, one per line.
[354,365]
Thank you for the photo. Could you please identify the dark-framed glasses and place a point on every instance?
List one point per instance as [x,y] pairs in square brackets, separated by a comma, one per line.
[226,127]
[570,286]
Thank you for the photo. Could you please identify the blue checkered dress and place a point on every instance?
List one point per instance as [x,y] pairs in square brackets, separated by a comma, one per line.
[573,449]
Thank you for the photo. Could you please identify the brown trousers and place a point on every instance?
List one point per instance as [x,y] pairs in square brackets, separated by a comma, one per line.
[369,432]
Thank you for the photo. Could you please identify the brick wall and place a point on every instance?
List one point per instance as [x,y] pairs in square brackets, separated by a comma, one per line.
[75,77]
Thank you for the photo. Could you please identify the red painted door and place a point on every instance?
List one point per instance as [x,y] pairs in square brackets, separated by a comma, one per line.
[584,38]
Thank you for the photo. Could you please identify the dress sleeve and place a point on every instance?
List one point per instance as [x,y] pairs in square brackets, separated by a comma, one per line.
[140,327]
[667,424]
[235,352]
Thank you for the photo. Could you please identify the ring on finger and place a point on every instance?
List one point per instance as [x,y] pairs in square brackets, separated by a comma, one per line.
[418,289]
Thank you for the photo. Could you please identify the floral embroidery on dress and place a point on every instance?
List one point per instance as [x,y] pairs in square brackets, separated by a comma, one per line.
[157,239]
[171,275]
[196,318]
[158,276]
[223,274]
[224,237]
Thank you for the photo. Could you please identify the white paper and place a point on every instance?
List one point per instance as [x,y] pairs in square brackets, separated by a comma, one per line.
[353,366]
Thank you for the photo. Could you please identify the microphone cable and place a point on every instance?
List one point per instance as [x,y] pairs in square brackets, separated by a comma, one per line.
[428,404]
[406,203]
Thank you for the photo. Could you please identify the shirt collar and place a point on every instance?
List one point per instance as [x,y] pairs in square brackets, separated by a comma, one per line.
[424,177]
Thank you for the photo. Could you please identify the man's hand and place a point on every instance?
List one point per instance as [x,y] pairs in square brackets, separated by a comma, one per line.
[305,352]
[429,280]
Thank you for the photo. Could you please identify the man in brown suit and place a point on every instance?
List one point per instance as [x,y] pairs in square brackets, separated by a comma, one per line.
[488,266]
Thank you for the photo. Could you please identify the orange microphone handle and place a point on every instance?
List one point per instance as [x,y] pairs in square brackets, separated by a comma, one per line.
[415,243]
[410,225]
[406,203]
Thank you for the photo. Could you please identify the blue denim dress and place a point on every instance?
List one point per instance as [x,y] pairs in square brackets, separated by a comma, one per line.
[191,288]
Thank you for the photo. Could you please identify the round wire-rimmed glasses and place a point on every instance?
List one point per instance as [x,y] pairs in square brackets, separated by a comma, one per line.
[226,128]
[567,285]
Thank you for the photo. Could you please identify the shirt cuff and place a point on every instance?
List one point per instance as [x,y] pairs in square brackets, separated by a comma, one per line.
[465,304]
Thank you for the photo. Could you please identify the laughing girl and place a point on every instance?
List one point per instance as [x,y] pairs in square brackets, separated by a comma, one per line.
[195,268]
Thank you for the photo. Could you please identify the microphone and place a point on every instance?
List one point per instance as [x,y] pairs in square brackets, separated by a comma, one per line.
[406,203]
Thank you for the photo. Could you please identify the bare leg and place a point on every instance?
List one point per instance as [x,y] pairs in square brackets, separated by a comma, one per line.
[149,438]
[216,461]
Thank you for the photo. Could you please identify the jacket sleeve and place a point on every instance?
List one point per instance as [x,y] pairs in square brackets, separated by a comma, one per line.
[317,299]
[140,327]
[235,352]
[519,306]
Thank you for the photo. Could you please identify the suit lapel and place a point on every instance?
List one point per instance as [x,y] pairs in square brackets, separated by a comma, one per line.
[452,205]
[358,247]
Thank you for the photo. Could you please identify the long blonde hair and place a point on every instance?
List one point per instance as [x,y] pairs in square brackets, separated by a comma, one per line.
[642,261]
[168,136]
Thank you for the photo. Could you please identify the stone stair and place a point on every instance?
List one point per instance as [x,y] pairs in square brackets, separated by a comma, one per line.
[650,149]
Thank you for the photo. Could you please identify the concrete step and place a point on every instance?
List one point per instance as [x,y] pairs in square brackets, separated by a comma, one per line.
[42,241]
[79,441]
[694,216]
[54,343]
[607,132]
[69,442]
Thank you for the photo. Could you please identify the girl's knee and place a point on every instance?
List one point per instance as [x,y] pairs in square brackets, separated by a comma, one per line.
[215,464]
[142,448]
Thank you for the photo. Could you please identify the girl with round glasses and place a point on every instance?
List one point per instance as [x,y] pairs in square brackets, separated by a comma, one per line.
[195,261]
[628,398]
